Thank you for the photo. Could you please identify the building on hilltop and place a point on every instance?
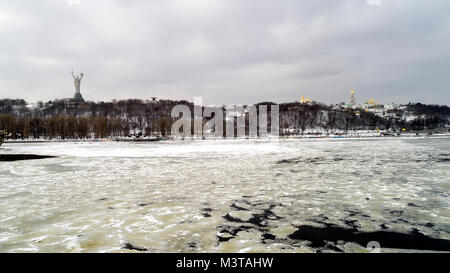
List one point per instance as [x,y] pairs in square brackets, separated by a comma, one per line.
[352,98]
[304,100]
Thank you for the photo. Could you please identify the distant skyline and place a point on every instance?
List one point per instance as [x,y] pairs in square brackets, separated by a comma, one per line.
[228,51]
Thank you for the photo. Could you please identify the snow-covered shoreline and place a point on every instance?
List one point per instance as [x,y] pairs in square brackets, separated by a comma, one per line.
[292,137]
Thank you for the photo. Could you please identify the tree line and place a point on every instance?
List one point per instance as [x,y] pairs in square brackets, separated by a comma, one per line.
[134,117]
[73,127]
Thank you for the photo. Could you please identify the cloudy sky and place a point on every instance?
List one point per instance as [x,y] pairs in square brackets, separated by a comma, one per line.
[230,51]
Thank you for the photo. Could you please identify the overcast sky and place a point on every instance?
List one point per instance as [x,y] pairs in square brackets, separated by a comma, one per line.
[230,51]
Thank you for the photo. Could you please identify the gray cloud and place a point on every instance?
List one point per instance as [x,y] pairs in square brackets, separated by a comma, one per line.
[227,51]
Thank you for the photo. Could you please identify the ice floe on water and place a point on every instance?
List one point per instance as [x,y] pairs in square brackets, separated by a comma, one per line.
[160,149]
[227,196]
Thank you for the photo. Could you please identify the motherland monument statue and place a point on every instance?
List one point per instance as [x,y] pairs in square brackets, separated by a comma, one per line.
[77,82]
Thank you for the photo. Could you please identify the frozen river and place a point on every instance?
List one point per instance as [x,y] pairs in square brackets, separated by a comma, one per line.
[227,196]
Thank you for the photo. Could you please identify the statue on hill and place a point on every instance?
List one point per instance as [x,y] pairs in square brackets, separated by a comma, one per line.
[77,83]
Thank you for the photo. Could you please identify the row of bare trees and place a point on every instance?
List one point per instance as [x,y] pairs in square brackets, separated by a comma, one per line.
[72,127]
[117,118]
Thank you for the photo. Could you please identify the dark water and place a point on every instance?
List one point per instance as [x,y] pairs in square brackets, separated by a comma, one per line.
[15,157]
